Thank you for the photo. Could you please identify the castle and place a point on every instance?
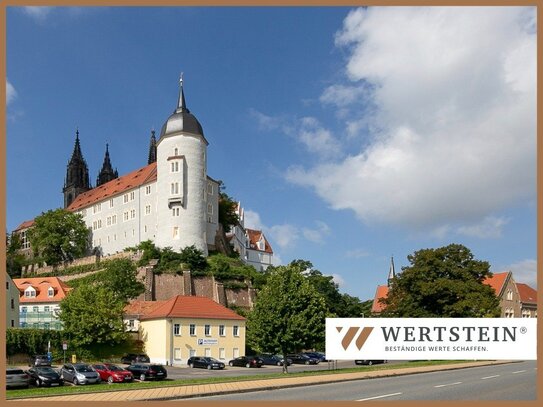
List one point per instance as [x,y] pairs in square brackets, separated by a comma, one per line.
[170,201]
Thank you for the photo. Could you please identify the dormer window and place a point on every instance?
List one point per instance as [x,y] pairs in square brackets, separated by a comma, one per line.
[175,151]
[51,292]
[30,292]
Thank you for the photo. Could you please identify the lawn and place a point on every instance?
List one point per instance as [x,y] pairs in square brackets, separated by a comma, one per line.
[136,385]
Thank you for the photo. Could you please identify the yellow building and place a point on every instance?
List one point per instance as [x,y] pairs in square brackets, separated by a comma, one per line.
[186,326]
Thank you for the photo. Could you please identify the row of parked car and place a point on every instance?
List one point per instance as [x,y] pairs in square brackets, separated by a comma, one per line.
[307,358]
[42,374]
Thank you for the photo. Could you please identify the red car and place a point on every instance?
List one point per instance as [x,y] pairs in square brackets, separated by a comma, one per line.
[113,373]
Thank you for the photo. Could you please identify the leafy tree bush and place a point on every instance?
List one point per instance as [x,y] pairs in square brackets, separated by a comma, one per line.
[289,314]
[58,236]
[442,282]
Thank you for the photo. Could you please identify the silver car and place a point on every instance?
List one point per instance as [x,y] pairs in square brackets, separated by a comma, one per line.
[16,378]
[79,373]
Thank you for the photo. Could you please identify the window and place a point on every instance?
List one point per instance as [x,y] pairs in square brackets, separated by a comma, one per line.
[175,151]
[125,198]
[210,209]
[51,292]
[192,353]
[35,308]
[174,188]
[12,303]
[222,354]
[97,208]
[510,295]
[84,212]
[208,352]
[12,323]
[177,353]
[147,209]
[24,309]
[30,292]
[46,326]
[108,221]
[192,330]
[236,330]
[132,214]
[176,329]
[111,203]
[131,323]
[221,330]
[94,225]
[174,166]
[114,219]
[132,195]
[125,216]
[235,353]
[99,223]
[175,211]
[7,285]
[145,228]
[148,190]
[176,232]
[210,188]
[207,330]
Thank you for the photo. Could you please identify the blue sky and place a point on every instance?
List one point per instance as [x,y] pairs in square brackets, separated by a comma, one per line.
[349,135]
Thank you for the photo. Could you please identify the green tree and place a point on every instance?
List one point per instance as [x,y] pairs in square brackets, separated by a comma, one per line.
[121,278]
[227,209]
[289,314]
[58,236]
[92,317]
[442,282]
[14,259]
[193,258]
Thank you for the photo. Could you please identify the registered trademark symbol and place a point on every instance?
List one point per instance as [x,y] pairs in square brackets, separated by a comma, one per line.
[523,330]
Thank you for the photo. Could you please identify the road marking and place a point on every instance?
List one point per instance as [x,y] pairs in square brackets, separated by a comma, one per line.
[380,397]
[519,371]
[448,384]
[490,377]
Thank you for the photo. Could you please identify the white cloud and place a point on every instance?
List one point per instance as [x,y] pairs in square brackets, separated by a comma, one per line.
[489,227]
[11,93]
[338,280]
[265,122]
[252,220]
[452,135]
[524,271]
[284,235]
[39,13]
[316,235]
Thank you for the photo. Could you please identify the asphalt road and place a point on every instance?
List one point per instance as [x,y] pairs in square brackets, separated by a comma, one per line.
[512,381]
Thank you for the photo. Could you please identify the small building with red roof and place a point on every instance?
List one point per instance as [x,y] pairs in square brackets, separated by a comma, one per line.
[185,326]
[528,301]
[39,301]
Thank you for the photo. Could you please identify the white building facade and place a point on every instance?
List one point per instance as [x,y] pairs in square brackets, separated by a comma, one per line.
[171,201]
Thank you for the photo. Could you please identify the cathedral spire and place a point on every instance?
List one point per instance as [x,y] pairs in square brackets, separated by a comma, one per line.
[77,178]
[106,174]
[391,272]
[181,104]
[152,148]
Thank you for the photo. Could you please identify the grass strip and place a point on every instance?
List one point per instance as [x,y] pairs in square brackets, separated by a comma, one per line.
[101,388]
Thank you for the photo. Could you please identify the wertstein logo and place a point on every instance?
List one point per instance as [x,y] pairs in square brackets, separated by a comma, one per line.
[351,333]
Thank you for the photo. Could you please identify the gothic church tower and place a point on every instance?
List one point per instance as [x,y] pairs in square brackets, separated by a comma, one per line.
[181,180]
[77,175]
[107,173]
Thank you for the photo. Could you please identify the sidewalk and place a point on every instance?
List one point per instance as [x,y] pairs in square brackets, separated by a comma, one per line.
[190,391]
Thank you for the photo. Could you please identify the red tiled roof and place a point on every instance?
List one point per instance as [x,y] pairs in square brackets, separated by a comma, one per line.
[114,187]
[527,294]
[382,292]
[191,307]
[497,281]
[254,237]
[25,225]
[41,285]
[141,307]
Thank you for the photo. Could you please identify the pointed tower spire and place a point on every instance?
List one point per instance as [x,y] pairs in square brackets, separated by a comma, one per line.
[181,104]
[152,148]
[106,174]
[391,272]
[77,174]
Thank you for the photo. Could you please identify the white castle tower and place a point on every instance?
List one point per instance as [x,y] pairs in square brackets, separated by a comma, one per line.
[181,181]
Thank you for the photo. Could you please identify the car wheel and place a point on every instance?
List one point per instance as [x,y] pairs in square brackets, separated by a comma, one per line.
[370,363]
[76,382]
[110,379]
[142,377]
[39,383]
[307,362]
[208,367]
[191,365]
[230,364]
[248,365]
[279,363]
